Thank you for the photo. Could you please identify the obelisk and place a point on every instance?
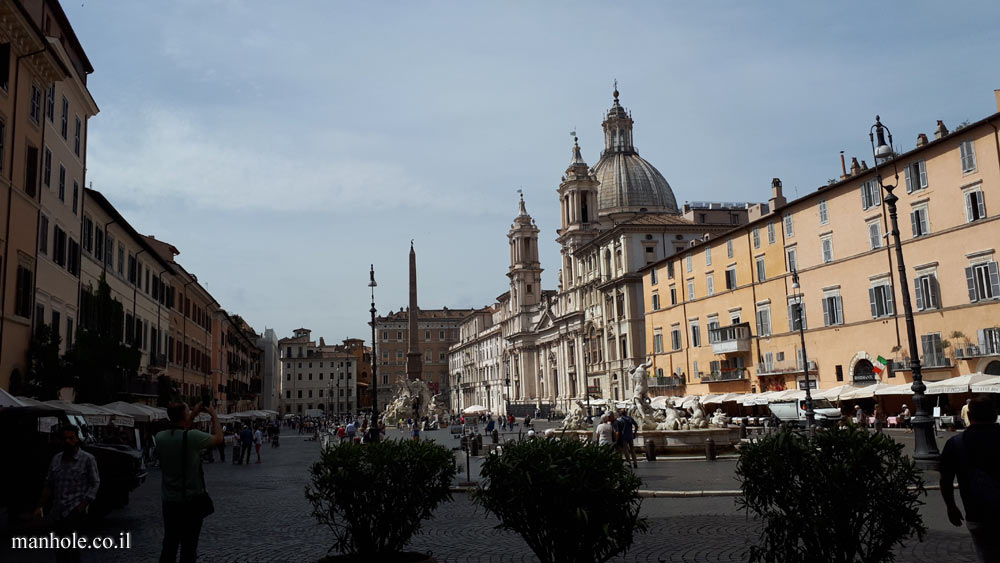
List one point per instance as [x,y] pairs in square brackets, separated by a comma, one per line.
[414,360]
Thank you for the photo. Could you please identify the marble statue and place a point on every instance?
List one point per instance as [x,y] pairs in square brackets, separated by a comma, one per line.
[673,419]
[697,419]
[576,419]
[640,409]
[719,419]
[413,399]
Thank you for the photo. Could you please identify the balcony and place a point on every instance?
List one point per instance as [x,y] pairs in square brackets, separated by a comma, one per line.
[669,381]
[733,374]
[730,339]
[926,362]
[784,367]
[970,352]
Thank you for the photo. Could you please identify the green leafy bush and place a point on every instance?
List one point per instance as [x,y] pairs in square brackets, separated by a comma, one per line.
[374,496]
[845,496]
[571,501]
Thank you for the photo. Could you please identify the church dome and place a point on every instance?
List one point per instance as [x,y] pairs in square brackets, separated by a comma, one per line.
[629,184]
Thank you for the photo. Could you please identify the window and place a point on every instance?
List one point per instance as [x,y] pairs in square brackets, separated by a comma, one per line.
[756,237]
[657,341]
[975,207]
[708,256]
[933,351]
[652,276]
[64,125]
[47,168]
[928,292]
[62,183]
[300,391]
[874,234]
[709,284]
[121,271]
[919,221]
[687,262]
[288,394]
[761,273]
[983,281]
[731,277]
[796,314]
[968,152]
[43,235]
[770,233]
[827,244]
[713,326]
[824,213]
[729,248]
[58,246]
[441,332]
[76,195]
[989,340]
[31,171]
[793,259]
[673,295]
[870,194]
[789,226]
[880,298]
[76,136]
[916,176]
[695,334]
[690,294]
[833,310]
[675,338]
[50,101]
[764,320]
[656,301]
[35,110]
[23,292]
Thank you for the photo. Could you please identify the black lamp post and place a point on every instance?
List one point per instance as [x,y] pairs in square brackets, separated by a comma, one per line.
[458,392]
[810,413]
[374,433]
[925,446]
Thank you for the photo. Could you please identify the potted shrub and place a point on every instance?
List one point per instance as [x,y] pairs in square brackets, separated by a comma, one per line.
[844,495]
[374,496]
[571,501]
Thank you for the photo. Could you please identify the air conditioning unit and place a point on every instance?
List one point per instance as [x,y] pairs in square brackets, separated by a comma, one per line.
[813,366]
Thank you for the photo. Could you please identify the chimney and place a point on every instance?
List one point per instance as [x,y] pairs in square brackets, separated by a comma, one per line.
[996,94]
[843,167]
[941,130]
[864,165]
[855,167]
[921,140]
[777,200]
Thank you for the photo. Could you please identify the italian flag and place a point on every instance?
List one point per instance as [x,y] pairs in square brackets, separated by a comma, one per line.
[880,364]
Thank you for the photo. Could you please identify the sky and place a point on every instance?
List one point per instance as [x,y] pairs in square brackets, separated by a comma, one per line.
[284,147]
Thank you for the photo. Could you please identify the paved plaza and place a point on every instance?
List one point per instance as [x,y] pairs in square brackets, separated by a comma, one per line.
[262,515]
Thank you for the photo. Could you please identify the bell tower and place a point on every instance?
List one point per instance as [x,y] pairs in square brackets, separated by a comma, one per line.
[525,269]
[578,200]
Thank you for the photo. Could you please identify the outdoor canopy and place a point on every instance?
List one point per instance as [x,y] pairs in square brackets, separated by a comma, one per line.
[958,384]
[475,409]
[991,385]
[8,400]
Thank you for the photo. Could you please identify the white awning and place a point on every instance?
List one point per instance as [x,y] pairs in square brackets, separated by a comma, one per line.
[960,384]
[8,400]
[475,409]
[865,392]
[901,389]
[834,393]
[991,385]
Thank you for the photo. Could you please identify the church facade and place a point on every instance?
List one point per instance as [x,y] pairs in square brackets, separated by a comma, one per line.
[536,349]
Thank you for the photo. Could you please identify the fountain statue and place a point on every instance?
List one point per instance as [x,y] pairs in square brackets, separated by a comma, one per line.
[413,399]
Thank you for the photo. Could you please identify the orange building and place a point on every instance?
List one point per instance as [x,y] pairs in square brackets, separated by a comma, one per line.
[722,315]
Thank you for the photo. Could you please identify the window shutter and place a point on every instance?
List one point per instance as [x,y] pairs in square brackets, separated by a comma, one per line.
[909,182]
[981,202]
[826,311]
[970,280]
[994,280]
[968,207]
[759,331]
[965,155]
[919,290]
[926,346]
[935,292]
[982,340]
[839,302]
[888,300]
[864,197]
[871,299]
[791,317]
[922,167]
[915,223]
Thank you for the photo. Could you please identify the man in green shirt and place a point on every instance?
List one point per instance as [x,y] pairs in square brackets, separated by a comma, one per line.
[185,501]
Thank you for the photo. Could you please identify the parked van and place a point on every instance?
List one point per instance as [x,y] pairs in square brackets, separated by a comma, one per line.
[795,411]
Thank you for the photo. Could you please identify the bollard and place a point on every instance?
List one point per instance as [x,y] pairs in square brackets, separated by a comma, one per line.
[743,429]
[465,442]
[650,446]
[479,441]
[495,435]
[709,450]
[474,443]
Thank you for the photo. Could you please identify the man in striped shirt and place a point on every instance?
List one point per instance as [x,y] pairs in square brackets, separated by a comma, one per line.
[71,485]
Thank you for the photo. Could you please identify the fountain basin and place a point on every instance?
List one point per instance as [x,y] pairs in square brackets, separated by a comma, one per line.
[676,441]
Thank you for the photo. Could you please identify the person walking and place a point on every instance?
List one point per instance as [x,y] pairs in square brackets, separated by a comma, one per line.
[236,448]
[351,430]
[258,441]
[71,485]
[605,433]
[246,442]
[965,413]
[879,416]
[185,499]
[973,456]
[860,416]
[904,418]
[625,429]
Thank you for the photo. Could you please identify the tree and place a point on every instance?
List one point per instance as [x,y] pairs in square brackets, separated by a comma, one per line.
[843,496]
[100,362]
[47,373]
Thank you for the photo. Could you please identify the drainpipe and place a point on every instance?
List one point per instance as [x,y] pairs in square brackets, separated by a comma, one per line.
[10,194]
[135,287]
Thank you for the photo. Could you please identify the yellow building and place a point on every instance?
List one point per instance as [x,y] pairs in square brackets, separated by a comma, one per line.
[721,315]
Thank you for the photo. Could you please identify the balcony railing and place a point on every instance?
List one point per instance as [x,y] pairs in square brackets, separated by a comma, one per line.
[977,351]
[784,367]
[735,374]
[730,339]
[926,362]
[668,381]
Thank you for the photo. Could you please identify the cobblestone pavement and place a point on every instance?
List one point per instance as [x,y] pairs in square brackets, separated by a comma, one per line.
[262,516]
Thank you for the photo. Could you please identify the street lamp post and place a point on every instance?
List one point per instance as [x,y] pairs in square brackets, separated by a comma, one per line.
[810,413]
[925,446]
[374,434]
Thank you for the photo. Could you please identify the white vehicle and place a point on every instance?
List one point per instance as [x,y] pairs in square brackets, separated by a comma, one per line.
[795,411]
